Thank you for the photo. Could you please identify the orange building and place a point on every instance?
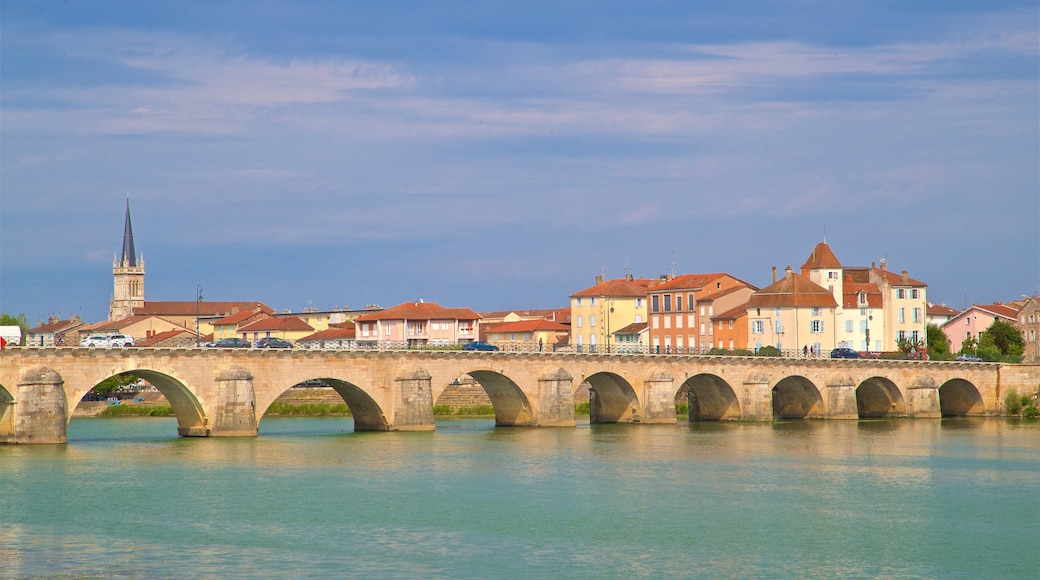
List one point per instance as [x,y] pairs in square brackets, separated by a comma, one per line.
[681,309]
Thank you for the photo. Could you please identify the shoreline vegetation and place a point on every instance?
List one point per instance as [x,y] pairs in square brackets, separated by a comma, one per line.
[279,409]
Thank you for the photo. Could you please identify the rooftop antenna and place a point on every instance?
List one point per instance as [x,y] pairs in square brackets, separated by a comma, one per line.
[825,232]
[673,263]
[625,268]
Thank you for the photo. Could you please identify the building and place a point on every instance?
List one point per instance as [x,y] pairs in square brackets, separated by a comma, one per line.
[526,335]
[681,308]
[1028,318]
[876,308]
[969,324]
[56,332]
[127,276]
[139,326]
[939,314]
[339,336]
[633,338]
[794,314]
[492,319]
[417,324]
[179,338]
[600,310]
[284,327]
[731,328]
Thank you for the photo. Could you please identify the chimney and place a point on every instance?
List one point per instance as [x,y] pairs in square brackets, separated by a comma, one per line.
[599,279]
[774,274]
[884,265]
[906,277]
[787,272]
[53,319]
[628,277]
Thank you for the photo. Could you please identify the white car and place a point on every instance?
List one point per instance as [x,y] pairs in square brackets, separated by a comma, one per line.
[94,340]
[120,340]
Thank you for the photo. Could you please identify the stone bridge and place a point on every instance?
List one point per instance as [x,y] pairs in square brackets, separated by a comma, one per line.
[225,392]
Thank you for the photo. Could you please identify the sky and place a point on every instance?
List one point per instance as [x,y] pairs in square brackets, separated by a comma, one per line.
[501,155]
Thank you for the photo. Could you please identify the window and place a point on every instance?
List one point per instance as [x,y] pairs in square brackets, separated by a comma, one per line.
[900,293]
[902,335]
[639,302]
[388,328]
[917,315]
[702,310]
[816,326]
[817,311]
[902,315]
[758,327]
[592,301]
[702,329]
[667,321]
[655,303]
[689,302]
[848,326]
[915,294]
[578,321]
[678,321]
[778,326]
[639,317]
[832,275]
[579,301]
[592,321]
[678,302]
[731,325]
[656,320]
[667,302]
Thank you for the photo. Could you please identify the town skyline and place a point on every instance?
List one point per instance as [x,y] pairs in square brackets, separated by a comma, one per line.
[321,155]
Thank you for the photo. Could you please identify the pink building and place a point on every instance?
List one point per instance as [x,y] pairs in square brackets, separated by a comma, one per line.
[416,324]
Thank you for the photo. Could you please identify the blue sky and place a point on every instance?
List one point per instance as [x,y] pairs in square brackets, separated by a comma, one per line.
[500,155]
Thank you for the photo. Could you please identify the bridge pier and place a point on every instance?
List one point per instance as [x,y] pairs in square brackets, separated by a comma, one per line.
[235,411]
[757,404]
[923,398]
[658,398]
[555,405]
[413,403]
[841,398]
[38,414]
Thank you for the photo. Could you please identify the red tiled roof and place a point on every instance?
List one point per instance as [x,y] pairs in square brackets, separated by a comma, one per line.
[187,308]
[897,279]
[117,325]
[821,257]
[420,311]
[331,334]
[793,290]
[160,337]
[634,328]
[728,291]
[732,314]
[852,290]
[687,282]
[282,323]
[620,287]
[941,310]
[529,326]
[999,309]
[56,326]
[236,318]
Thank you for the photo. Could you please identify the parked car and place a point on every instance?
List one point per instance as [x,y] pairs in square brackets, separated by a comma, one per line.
[968,358]
[272,342]
[120,340]
[94,340]
[232,343]
[844,353]
[478,345]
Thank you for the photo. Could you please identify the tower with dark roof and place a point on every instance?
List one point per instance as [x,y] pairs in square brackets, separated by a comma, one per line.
[127,276]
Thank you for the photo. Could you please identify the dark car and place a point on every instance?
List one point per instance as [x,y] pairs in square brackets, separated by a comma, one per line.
[272,342]
[479,346]
[233,343]
[844,353]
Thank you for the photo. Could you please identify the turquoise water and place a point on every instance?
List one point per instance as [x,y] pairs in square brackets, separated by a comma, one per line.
[310,498]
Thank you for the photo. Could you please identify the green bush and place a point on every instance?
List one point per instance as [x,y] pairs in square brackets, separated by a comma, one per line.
[307,409]
[769,350]
[581,409]
[1031,412]
[137,411]
[1013,402]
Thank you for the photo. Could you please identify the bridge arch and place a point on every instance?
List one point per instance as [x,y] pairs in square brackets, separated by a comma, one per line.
[711,398]
[878,397]
[512,407]
[191,416]
[6,403]
[367,414]
[796,397]
[612,399]
[959,398]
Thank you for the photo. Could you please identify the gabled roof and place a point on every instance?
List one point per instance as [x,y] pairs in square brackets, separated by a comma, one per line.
[619,288]
[529,326]
[160,337]
[727,291]
[56,326]
[941,310]
[331,334]
[236,318]
[998,309]
[419,311]
[732,314]
[290,323]
[208,309]
[687,282]
[793,290]
[821,257]
[852,290]
[634,328]
[894,279]
[119,325]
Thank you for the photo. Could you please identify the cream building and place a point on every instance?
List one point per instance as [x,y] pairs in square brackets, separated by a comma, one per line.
[600,310]
[417,324]
[794,314]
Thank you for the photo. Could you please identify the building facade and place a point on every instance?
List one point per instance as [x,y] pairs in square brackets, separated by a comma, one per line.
[417,324]
[600,310]
[681,308]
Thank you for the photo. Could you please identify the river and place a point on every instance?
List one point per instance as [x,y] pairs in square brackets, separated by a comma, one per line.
[126,498]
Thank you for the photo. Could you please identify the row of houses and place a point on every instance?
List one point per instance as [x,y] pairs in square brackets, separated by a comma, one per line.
[821,306]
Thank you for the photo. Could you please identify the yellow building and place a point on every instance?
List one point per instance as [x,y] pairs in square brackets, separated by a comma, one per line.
[599,311]
[793,314]
[527,335]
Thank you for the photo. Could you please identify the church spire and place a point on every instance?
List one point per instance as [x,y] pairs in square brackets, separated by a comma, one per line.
[129,257]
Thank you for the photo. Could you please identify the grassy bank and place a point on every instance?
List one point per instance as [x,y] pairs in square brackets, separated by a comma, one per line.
[137,411]
[278,409]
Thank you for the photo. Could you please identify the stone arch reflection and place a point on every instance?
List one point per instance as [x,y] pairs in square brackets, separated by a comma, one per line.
[878,397]
[711,398]
[611,399]
[959,398]
[797,397]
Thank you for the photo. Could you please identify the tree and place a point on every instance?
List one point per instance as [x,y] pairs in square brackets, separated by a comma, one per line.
[114,383]
[938,344]
[20,320]
[1006,337]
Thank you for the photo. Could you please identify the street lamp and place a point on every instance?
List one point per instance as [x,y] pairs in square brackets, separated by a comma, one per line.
[198,300]
[609,310]
[867,330]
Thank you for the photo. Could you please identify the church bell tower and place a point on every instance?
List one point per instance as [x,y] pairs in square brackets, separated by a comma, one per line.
[127,276]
